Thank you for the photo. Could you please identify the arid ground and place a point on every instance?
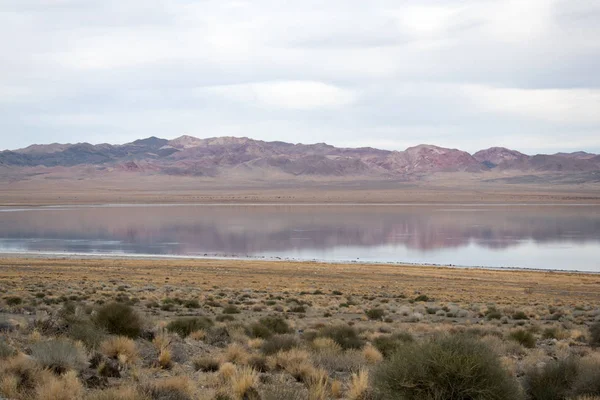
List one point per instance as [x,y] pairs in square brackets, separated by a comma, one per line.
[227,329]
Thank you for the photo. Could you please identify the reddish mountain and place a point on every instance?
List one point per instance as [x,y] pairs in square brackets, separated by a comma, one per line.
[228,156]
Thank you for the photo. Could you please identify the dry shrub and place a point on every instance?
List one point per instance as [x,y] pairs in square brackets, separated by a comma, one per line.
[340,361]
[199,334]
[120,393]
[372,355]
[172,388]
[359,385]
[317,382]
[236,354]
[326,344]
[255,343]
[296,362]
[64,387]
[164,359]
[121,348]
[206,364]
[227,371]
[244,382]
[20,375]
[336,389]
[59,355]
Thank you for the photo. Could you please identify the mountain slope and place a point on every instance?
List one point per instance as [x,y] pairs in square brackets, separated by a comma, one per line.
[226,156]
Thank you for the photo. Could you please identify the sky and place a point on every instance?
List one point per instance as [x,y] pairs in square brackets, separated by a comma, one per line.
[468,74]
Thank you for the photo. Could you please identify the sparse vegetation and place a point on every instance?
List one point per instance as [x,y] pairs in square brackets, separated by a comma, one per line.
[75,342]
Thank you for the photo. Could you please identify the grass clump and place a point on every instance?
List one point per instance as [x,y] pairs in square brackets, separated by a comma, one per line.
[267,327]
[344,335]
[523,337]
[387,345]
[58,355]
[231,309]
[119,319]
[454,367]
[279,343]
[5,350]
[375,313]
[551,382]
[186,325]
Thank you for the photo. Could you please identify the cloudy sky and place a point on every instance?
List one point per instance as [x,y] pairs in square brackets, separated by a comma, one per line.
[468,74]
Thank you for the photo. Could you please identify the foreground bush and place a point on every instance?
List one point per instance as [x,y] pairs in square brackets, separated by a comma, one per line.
[595,335]
[58,355]
[119,319]
[562,379]
[387,345]
[455,367]
[186,325]
[344,335]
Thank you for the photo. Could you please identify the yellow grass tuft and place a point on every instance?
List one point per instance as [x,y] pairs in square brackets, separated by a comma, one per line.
[65,387]
[236,354]
[164,359]
[336,389]
[317,382]
[372,355]
[255,343]
[243,381]
[326,344]
[121,348]
[200,334]
[359,385]
[227,370]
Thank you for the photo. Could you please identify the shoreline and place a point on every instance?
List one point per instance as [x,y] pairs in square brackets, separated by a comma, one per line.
[4,255]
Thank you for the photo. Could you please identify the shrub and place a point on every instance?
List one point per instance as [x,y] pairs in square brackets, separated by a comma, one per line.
[86,332]
[5,350]
[276,324]
[553,381]
[119,319]
[191,304]
[173,388]
[595,335]
[344,335]
[206,364]
[520,315]
[422,297]
[279,343]
[231,309]
[58,355]
[258,330]
[118,393]
[523,337]
[375,313]
[121,348]
[445,367]
[493,313]
[186,325]
[225,318]
[387,345]
[13,300]
[588,378]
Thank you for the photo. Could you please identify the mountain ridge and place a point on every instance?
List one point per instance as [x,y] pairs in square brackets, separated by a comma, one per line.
[219,156]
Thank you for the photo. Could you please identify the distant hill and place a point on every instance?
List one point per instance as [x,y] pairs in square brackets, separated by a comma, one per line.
[224,156]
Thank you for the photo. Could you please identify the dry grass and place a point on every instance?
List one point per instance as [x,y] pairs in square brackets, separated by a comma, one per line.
[65,387]
[121,348]
[243,381]
[359,385]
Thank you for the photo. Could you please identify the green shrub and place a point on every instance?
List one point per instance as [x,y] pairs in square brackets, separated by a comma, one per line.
[275,324]
[58,355]
[186,325]
[344,335]
[387,345]
[595,334]
[375,313]
[455,367]
[86,332]
[493,313]
[553,381]
[5,349]
[119,319]
[279,343]
[225,318]
[191,304]
[13,300]
[258,330]
[520,315]
[523,337]
[422,297]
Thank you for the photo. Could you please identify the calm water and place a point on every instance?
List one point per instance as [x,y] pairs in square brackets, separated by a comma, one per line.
[550,237]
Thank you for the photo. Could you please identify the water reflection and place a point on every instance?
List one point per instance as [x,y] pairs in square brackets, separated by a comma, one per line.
[379,233]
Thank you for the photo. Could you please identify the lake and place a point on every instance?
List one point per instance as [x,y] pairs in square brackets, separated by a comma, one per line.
[522,236]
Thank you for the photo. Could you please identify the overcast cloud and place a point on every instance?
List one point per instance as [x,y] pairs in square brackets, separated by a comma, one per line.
[467,74]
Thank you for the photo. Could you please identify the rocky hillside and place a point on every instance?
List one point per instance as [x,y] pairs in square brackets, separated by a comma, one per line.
[188,155]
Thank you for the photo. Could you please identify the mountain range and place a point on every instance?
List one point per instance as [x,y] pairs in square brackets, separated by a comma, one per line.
[223,156]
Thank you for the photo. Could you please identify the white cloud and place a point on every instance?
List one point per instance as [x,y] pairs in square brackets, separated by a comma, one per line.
[563,106]
[298,95]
